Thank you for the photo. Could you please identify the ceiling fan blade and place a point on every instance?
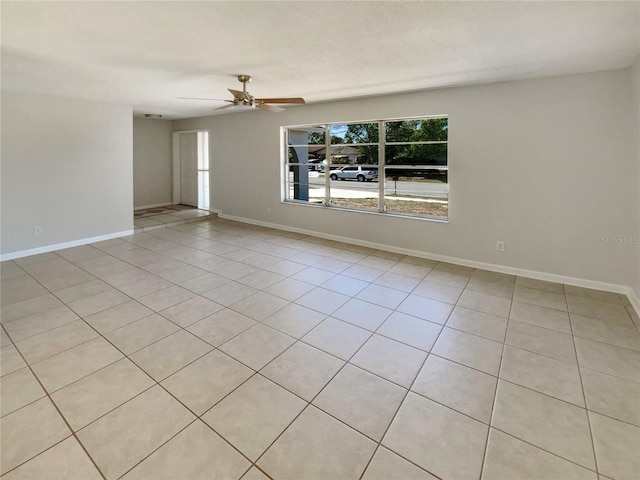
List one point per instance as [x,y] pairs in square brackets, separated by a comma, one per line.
[225,107]
[281,100]
[270,108]
[240,95]
[207,99]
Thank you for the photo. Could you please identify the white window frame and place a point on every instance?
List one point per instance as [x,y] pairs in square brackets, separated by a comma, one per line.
[381,166]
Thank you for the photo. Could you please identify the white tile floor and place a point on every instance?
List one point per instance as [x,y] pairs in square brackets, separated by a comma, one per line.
[218,350]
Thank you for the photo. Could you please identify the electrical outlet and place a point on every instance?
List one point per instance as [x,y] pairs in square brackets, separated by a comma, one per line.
[500,246]
[37,230]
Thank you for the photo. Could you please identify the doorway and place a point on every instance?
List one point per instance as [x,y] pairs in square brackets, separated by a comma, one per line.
[191,173]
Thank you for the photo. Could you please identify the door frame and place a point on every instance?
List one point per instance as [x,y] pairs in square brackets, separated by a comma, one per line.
[175,146]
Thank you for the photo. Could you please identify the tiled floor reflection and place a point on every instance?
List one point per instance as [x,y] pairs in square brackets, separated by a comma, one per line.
[219,350]
[148,219]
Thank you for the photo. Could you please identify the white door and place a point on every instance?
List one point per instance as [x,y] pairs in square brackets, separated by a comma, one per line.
[189,169]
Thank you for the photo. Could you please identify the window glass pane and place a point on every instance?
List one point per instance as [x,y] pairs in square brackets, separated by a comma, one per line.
[304,185]
[416,192]
[306,193]
[310,154]
[317,194]
[416,154]
[358,195]
[203,150]
[312,135]
[358,173]
[203,189]
[299,174]
[420,130]
[354,133]
[433,175]
[358,154]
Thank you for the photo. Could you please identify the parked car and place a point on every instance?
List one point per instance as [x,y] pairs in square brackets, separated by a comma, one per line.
[315,164]
[355,172]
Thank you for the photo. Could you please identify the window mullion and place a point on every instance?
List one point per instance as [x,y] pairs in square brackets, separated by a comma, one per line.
[327,166]
[381,164]
[284,193]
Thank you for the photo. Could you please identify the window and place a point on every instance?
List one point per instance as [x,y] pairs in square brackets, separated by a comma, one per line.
[385,166]
[203,170]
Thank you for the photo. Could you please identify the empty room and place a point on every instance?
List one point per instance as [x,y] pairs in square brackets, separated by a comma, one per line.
[324,240]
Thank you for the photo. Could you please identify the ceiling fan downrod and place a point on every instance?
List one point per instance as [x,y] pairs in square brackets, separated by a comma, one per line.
[244,79]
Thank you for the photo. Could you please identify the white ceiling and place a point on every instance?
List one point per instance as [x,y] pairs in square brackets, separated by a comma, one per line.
[146,54]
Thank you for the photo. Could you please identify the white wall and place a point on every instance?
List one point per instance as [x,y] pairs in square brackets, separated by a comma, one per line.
[634,72]
[66,166]
[152,162]
[548,166]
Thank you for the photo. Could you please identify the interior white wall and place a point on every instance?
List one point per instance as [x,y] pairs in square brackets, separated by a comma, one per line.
[67,167]
[152,162]
[547,166]
[634,72]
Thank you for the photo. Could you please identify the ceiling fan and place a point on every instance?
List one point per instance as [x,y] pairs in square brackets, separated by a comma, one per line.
[244,100]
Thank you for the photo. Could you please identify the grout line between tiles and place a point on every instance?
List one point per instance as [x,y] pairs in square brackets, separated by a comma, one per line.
[584,398]
[495,394]
[544,450]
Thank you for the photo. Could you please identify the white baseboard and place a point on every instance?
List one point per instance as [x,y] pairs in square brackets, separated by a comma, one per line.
[550,277]
[156,205]
[61,246]
[635,301]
